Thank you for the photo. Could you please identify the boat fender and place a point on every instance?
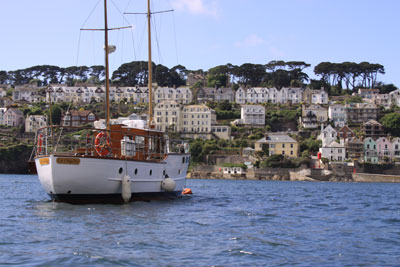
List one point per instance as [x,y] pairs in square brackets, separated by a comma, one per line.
[168,185]
[126,188]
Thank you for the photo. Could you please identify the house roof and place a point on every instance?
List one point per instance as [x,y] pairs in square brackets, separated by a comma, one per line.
[81,113]
[335,144]
[277,138]
[373,122]
[16,111]
[354,140]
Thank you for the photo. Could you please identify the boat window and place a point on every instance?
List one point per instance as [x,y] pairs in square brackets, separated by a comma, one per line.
[183,160]
[135,171]
[179,171]
[120,170]
[151,172]
[164,172]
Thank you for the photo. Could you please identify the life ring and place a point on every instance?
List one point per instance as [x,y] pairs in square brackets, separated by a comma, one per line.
[39,143]
[102,144]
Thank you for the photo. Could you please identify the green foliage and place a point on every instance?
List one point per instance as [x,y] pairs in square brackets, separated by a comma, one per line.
[310,144]
[232,165]
[13,152]
[279,161]
[56,113]
[354,99]
[391,122]
[10,92]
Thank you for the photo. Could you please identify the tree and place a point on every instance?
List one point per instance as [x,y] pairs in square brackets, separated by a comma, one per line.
[391,122]
[56,113]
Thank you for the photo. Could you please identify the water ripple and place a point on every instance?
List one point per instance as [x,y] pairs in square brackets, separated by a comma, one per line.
[226,223]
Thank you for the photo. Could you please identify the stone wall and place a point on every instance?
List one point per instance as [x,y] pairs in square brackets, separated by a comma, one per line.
[376,178]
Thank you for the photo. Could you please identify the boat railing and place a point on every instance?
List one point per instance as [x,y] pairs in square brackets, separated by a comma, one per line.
[92,142]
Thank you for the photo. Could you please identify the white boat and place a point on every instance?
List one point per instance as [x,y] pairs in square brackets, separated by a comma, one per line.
[112,165]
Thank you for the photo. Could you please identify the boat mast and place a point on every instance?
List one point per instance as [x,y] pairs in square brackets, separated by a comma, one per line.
[150,66]
[106,66]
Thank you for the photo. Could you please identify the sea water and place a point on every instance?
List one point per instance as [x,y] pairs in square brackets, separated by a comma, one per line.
[225,223]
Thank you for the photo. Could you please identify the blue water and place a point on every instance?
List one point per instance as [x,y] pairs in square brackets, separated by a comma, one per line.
[225,223]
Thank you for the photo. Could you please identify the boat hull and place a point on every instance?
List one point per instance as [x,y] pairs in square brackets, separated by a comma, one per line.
[99,180]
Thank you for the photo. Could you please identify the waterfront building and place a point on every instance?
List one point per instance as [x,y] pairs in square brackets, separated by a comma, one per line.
[78,117]
[384,148]
[373,129]
[24,93]
[241,96]
[5,102]
[383,100]
[198,119]
[13,117]
[345,133]
[395,97]
[290,95]
[312,116]
[361,112]
[333,151]
[221,131]
[3,91]
[278,144]
[311,96]
[257,95]
[327,135]
[370,150]
[337,114]
[253,115]
[396,148]
[2,112]
[34,122]
[208,94]
[354,149]
[182,95]
[367,93]
[167,116]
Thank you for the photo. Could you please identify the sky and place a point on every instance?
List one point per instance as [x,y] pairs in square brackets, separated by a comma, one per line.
[201,34]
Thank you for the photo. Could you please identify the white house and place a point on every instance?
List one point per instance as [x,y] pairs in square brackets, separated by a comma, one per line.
[13,117]
[2,112]
[181,95]
[328,135]
[253,114]
[334,151]
[34,122]
[395,97]
[167,114]
[337,114]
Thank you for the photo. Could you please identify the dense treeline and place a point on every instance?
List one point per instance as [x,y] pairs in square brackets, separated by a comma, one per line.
[346,75]
[349,74]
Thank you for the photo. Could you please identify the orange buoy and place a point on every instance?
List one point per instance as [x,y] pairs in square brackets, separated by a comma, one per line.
[102,144]
[187,191]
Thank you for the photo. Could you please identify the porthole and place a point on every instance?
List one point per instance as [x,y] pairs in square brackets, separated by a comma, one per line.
[120,170]
[135,171]
[151,172]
